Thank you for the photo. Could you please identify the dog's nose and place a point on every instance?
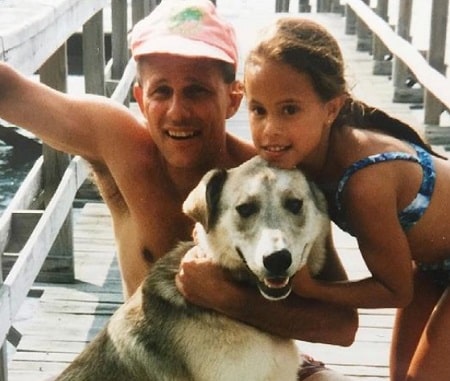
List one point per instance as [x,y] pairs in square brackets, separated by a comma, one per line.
[278,262]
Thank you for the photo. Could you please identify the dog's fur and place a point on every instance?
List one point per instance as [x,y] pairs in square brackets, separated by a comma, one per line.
[262,224]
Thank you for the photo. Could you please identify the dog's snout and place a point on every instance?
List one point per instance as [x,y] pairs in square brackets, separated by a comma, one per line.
[278,262]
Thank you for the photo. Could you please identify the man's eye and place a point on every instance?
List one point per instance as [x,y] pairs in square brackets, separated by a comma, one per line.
[247,209]
[195,91]
[163,92]
[293,205]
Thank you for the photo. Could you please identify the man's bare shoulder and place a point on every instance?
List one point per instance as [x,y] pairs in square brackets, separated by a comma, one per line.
[240,150]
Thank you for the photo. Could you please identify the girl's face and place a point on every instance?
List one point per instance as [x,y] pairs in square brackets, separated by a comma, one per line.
[290,123]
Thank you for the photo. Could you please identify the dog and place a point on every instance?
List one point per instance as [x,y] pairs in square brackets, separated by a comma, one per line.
[262,224]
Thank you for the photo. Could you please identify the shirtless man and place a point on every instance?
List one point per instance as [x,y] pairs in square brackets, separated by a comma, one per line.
[186,60]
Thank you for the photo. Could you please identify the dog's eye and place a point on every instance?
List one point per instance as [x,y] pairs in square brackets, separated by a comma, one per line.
[294,205]
[247,209]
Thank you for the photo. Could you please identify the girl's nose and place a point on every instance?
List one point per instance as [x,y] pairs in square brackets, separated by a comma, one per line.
[271,127]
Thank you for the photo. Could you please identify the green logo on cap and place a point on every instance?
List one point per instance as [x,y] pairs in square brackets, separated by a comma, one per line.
[187,21]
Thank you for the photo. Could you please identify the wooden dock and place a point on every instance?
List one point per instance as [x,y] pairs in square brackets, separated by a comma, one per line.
[59,319]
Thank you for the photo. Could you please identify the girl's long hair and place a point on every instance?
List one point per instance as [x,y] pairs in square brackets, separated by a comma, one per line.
[309,48]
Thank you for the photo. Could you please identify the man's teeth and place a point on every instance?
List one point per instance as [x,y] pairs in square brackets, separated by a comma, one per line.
[181,134]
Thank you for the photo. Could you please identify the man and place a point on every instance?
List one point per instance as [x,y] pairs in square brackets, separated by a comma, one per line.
[186,89]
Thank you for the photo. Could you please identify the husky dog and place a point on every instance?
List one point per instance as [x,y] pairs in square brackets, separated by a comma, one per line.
[261,223]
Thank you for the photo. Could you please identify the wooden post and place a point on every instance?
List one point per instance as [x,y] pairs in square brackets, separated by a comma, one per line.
[381,65]
[363,34]
[94,82]
[323,6]
[94,55]
[401,74]
[119,38]
[304,6]
[336,7]
[436,57]
[350,20]
[281,6]
[3,362]
[54,74]
[140,9]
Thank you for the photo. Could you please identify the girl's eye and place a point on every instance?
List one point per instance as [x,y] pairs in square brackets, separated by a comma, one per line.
[290,109]
[257,110]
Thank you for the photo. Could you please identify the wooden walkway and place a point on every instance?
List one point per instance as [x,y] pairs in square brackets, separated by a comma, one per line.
[59,319]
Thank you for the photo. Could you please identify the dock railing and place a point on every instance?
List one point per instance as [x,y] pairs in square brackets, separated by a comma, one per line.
[36,228]
[409,64]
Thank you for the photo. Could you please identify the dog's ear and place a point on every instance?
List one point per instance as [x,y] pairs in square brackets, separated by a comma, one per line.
[318,197]
[203,201]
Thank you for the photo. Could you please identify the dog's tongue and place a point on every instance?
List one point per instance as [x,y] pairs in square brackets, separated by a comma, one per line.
[276,282]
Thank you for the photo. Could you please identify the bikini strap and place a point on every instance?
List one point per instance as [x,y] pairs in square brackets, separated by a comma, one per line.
[365,162]
[412,213]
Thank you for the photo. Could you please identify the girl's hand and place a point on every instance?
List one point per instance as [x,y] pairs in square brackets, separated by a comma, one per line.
[303,284]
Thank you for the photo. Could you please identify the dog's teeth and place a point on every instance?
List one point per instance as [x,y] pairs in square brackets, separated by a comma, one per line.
[276,282]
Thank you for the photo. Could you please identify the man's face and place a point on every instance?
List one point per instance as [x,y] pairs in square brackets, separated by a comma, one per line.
[185,102]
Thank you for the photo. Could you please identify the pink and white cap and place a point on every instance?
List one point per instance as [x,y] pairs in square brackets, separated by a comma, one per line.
[188,28]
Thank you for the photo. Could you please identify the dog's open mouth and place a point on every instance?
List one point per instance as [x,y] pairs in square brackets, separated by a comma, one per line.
[272,288]
[275,288]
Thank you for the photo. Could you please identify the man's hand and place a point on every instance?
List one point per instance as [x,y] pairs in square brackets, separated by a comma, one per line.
[199,279]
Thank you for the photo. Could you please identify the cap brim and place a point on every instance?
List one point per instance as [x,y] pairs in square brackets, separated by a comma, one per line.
[177,45]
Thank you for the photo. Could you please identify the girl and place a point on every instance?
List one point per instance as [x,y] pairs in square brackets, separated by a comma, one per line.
[384,185]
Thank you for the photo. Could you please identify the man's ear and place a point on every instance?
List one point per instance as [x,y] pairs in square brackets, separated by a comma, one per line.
[138,96]
[202,204]
[236,95]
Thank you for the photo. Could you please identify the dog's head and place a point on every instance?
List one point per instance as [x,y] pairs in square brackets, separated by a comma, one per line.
[262,218]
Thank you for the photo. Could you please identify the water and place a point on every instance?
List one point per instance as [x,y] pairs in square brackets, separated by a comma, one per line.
[15,163]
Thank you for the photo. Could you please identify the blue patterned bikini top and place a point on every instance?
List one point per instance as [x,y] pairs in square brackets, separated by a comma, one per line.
[414,211]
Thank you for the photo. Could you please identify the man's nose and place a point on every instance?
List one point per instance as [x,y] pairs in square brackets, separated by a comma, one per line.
[178,107]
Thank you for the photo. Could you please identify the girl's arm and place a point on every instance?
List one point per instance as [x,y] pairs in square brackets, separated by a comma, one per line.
[209,286]
[371,206]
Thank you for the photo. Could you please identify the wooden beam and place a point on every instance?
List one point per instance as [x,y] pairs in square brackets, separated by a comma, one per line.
[32,30]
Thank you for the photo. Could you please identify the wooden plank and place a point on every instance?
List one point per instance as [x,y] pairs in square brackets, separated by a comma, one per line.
[31,30]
